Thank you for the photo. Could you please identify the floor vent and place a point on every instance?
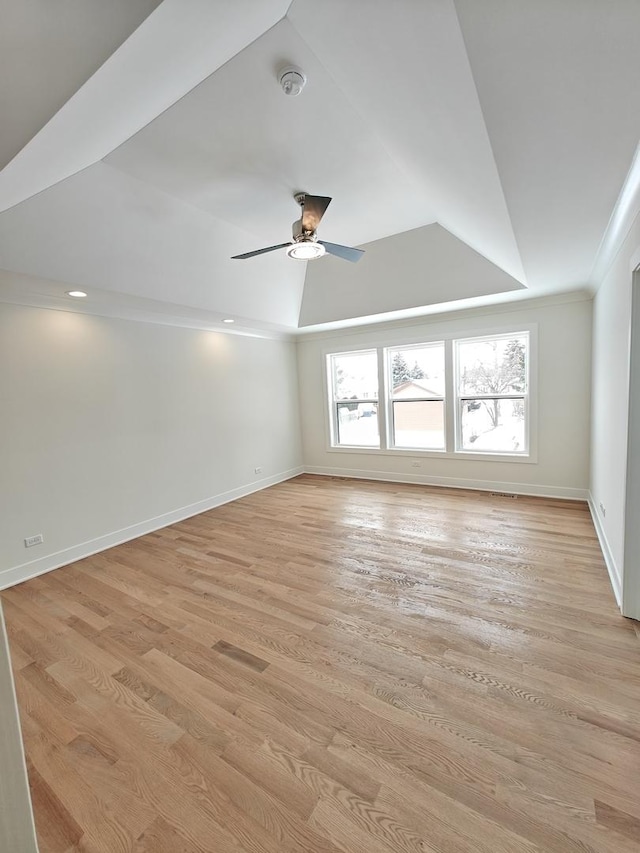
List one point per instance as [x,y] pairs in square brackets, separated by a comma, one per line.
[503,495]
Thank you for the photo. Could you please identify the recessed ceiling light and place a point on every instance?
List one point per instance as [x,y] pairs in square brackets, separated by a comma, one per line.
[228,320]
[306,250]
[78,294]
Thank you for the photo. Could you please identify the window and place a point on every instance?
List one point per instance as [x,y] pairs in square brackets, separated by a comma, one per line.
[466,396]
[416,385]
[354,380]
[491,392]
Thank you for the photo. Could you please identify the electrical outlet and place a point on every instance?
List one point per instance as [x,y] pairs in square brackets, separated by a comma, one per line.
[33,540]
[603,510]
[415,463]
[258,470]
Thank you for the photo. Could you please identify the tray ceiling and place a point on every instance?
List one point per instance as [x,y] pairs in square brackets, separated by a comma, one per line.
[489,140]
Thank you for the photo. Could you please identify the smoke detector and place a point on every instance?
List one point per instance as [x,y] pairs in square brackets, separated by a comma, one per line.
[292,80]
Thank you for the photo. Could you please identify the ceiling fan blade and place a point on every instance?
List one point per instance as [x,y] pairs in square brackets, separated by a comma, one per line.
[259,252]
[313,208]
[344,252]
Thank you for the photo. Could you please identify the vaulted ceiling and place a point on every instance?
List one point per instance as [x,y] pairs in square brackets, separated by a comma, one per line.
[475,149]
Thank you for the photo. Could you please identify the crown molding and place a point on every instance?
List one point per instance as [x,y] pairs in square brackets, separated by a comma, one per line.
[426,318]
[30,291]
[625,212]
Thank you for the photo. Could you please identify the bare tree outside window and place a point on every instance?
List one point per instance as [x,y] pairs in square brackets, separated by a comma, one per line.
[492,385]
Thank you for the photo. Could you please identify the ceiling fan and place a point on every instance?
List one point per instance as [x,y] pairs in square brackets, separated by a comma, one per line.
[305,245]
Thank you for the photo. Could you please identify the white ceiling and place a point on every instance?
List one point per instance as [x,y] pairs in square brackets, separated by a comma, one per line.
[335,291]
[145,158]
[48,51]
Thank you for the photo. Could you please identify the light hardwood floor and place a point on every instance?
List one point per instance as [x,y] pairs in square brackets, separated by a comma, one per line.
[335,665]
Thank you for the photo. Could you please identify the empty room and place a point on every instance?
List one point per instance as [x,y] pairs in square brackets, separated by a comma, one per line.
[320,457]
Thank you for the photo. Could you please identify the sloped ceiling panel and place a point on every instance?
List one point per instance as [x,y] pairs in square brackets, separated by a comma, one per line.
[48,50]
[418,268]
[557,82]
[178,45]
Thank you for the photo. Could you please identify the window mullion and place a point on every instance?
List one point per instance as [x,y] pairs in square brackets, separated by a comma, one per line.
[384,399]
[450,419]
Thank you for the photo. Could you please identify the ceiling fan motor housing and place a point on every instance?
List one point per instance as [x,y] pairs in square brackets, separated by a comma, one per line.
[299,234]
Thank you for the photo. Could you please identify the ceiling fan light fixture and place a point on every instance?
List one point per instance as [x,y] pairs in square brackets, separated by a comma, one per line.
[306,250]
[304,245]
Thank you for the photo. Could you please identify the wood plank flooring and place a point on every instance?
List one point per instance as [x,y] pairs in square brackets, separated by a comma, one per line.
[335,665]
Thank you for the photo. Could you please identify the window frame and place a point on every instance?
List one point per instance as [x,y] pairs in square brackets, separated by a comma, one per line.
[391,341]
[460,399]
[334,420]
[390,400]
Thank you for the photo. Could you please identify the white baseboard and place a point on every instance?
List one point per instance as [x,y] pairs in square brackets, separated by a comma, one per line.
[564,493]
[25,571]
[614,572]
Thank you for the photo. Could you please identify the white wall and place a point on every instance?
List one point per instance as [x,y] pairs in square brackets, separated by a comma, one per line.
[631,564]
[109,428]
[564,361]
[17,832]
[610,403]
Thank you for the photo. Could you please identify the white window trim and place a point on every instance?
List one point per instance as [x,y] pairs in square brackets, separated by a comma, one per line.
[453,382]
[385,448]
[389,401]
[329,399]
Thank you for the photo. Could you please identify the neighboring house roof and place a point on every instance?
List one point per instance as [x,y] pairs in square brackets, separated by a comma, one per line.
[414,388]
